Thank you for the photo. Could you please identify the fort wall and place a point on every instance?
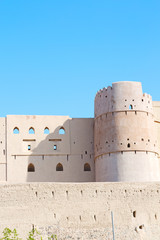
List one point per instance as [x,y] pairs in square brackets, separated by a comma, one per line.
[81,210]
[72,150]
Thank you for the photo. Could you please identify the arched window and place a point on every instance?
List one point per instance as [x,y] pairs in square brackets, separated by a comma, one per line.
[87,167]
[130,107]
[31,168]
[16,130]
[128,145]
[59,167]
[62,130]
[46,130]
[31,130]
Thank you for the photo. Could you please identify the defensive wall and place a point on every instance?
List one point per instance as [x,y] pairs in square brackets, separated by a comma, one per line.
[83,210]
[121,143]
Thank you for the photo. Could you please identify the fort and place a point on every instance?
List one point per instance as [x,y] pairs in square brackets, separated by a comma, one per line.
[66,175]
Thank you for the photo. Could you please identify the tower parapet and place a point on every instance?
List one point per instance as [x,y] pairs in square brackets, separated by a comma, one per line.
[125,142]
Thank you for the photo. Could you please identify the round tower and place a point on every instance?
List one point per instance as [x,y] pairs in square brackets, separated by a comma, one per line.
[125,142]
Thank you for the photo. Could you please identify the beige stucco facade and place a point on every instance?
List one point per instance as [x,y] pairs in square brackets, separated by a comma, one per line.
[121,143]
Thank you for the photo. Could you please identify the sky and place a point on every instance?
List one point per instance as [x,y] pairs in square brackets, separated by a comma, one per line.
[56,54]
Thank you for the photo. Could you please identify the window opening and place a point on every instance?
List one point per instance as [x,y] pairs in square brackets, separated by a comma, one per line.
[61,130]
[55,147]
[29,147]
[46,130]
[31,130]
[59,167]
[131,107]
[87,167]
[31,168]
[16,130]
[128,145]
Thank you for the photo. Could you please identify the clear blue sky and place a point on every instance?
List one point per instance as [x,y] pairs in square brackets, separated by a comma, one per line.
[56,54]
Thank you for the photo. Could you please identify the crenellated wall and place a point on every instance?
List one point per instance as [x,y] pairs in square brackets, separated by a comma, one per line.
[125,141]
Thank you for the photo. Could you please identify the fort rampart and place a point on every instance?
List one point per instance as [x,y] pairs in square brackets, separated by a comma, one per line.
[82,210]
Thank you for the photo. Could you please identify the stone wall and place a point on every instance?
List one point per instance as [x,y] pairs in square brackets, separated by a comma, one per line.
[83,210]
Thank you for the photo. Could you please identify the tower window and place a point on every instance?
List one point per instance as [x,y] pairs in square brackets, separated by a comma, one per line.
[128,145]
[131,107]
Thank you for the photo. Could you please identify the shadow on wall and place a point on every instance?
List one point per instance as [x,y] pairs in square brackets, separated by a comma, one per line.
[63,156]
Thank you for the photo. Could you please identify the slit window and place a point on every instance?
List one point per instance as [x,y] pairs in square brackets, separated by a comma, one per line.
[29,147]
[87,167]
[55,147]
[59,167]
[31,130]
[46,130]
[31,168]
[16,130]
[62,131]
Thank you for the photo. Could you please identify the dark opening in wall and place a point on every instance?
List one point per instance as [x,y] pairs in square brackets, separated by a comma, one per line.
[128,145]
[141,226]
[134,214]
[31,168]
[16,130]
[59,167]
[85,152]
[87,167]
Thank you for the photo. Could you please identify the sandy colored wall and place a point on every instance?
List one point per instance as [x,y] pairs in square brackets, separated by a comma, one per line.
[3,151]
[124,128]
[74,149]
[83,211]
[156,109]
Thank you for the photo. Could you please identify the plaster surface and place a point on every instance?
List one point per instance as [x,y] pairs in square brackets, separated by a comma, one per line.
[83,210]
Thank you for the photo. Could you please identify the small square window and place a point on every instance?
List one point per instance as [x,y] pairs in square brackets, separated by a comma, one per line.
[55,147]
[29,147]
